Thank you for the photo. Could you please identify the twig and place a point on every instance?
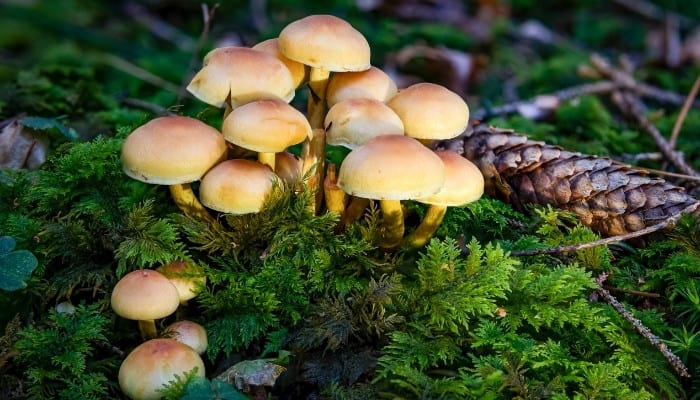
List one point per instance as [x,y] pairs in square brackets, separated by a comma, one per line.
[684,112]
[158,27]
[207,17]
[631,105]
[634,292]
[612,239]
[627,81]
[652,11]
[673,359]
[136,71]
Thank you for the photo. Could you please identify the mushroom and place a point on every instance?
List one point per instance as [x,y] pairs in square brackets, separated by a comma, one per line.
[464,184]
[372,83]
[189,333]
[145,295]
[325,43]
[300,72]
[174,151]
[288,167]
[237,186]
[187,279]
[352,122]
[155,363]
[266,126]
[391,168]
[430,112]
[233,76]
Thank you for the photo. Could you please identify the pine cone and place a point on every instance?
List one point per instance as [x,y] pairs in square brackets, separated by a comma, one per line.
[610,198]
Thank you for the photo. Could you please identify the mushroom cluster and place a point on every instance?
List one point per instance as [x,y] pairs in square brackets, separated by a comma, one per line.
[351,103]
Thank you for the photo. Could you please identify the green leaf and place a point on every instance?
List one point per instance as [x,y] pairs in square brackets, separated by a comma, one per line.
[15,266]
[43,124]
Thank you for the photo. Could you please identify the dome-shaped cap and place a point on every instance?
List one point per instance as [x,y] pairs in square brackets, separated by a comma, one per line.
[244,74]
[391,167]
[153,364]
[353,122]
[187,279]
[266,126]
[189,333]
[237,186]
[288,167]
[299,71]
[464,182]
[325,41]
[172,150]
[372,83]
[144,295]
[430,111]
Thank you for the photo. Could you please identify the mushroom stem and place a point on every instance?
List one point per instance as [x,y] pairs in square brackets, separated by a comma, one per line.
[354,210]
[392,225]
[318,81]
[148,329]
[426,229]
[267,159]
[313,154]
[187,202]
[335,196]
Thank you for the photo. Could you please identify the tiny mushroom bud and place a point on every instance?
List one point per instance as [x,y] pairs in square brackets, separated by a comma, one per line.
[189,333]
[266,126]
[174,151]
[145,295]
[155,363]
[464,184]
[372,83]
[237,186]
[391,168]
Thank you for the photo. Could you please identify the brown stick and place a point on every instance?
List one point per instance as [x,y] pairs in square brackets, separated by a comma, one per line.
[633,292]
[673,359]
[684,112]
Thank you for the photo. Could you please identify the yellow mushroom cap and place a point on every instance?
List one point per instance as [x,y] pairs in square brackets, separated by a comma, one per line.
[430,111]
[237,186]
[189,333]
[172,150]
[464,182]
[266,126]
[154,363]
[144,295]
[391,167]
[325,41]
[243,74]
[372,83]
[299,71]
[353,122]
[186,278]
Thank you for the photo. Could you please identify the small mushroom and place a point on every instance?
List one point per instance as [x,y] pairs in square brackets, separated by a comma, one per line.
[372,83]
[237,186]
[352,122]
[464,184]
[153,364]
[187,279]
[174,151]
[145,295]
[391,168]
[189,333]
[300,72]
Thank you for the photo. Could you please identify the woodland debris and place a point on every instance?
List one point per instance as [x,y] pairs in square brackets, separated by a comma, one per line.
[673,359]
[610,198]
[21,147]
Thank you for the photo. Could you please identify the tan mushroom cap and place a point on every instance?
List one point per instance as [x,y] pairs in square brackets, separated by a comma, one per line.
[372,83]
[266,126]
[237,186]
[288,167]
[144,295]
[430,111]
[189,333]
[187,279]
[172,150]
[243,74]
[353,122]
[391,167]
[464,182]
[154,363]
[300,72]
[325,41]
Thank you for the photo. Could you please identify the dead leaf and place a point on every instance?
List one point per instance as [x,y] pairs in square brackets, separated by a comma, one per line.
[21,147]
